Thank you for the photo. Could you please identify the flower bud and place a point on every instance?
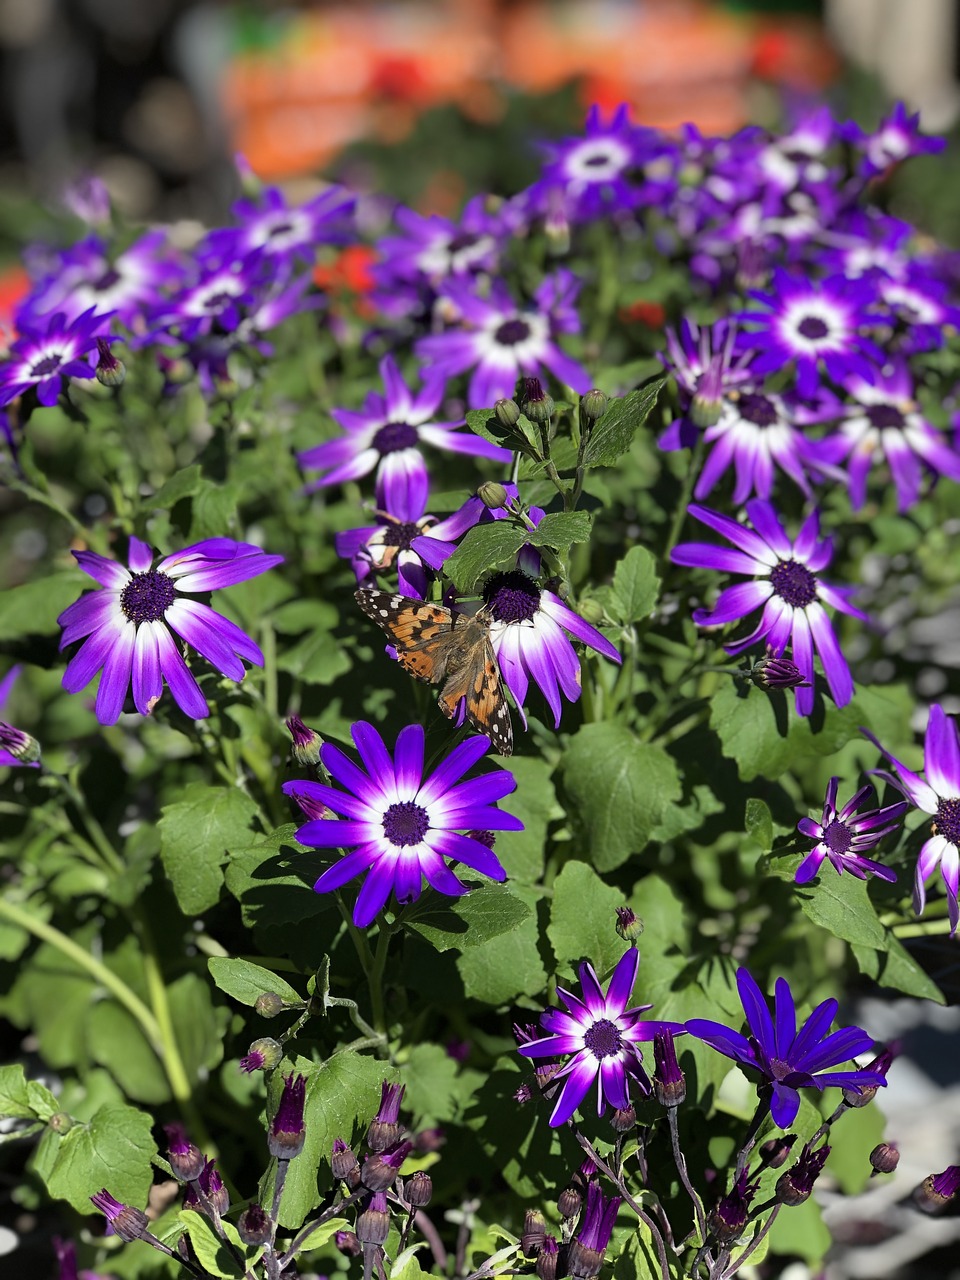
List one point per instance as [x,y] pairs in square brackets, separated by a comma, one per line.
[211,1185]
[533,1234]
[548,1259]
[537,404]
[586,1250]
[938,1190]
[492,495]
[569,1202]
[20,745]
[61,1122]
[263,1055]
[186,1160]
[254,1226]
[380,1171]
[884,1158]
[306,741]
[794,1186]
[373,1224]
[287,1132]
[384,1130]
[428,1140]
[268,1004]
[772,672]
[881,1064]
[629,925]
[110,371]
[669,1086]
[128,1223]
[418,1190]
[592,611]
[623,1119]
[728,1219]
[507,413]
[347,1243]
[593,405]
[298,791]
[344,1164]
[774,1153]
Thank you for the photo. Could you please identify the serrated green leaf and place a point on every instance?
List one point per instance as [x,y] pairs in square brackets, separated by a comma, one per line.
[561,529]
[635,586]
[246,982]
[486,424]
[619,789]
[535,804]
[758,823]
[195,834]
[407,1265]
[583,918]
[214,513]
[612,436]
[482,549]
[18,1101]
[840,904]
[509,965]
[113,1150]
[182,484]
[469,921]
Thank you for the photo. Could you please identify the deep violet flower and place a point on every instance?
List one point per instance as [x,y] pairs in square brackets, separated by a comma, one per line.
[16,747]
[401,825]
[843,835]
[586,1250]
[49,350]
[428,249]
[130,628]
[601,1036]
[786,584]
[895,139]
[937,794]
[786,1058]
[402,539]
[271,226]
[500,340]
[386,433]
[813,323]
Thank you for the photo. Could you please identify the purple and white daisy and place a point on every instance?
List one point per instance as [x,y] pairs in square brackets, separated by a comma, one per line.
[786,585]
[431,249]
[922,313]
[386,433]
[810,323]
[843,836]
[896,138]
[786,1058]
[500,340]
[939,795]
[707,370]
[601,1035]
[404,538]
[270,226]
[130,627]
[16,747]
[885,425]
[48,351]
[401,825]
[795,159]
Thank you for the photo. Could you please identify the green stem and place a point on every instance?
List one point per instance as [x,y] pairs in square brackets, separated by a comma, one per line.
[96,832]
[44,500]
[375,980]
[269,637]
[686,493]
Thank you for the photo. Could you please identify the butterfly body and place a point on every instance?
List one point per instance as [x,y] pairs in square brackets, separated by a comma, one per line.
[441,646]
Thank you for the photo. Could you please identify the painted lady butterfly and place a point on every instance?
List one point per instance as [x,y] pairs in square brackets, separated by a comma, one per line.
[441,646]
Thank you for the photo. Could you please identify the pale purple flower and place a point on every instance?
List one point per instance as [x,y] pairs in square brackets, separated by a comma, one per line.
[500,340]
[276,229]
[49,350]
[895,139]
[133,627]
[601,1037]
[786,584]
[429,248]
[401,825]
[387,433]
[939,795]
[844,835]
[789,1059]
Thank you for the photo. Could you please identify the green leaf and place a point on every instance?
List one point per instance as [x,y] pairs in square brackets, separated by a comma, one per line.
[848,1161]
[486,424]
[482,914]
[560,530]
[195,834]
[214,511]
[800,1232]
[407,1265]
[619,788]
[664,943]
[182,484]
[326,1231]
[841,905]
[115,1039]
[199,1026]
[482,549]
[583,918]
[33,609]
[212,1252]
[319,658]
[897,969]
[758,823]
[639,1260]
[535,804]
[246,982]
[22,1099]
[113,1151]
[438,1089]
[635,585]
[612,436]
[509,965]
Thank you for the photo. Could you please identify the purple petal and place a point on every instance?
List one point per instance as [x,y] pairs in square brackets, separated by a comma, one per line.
[183,686]
[115,678]
[784,1105]
[580,1077]
[941,754]
[147,678]
[726,1041]
[620,987]
[408,758]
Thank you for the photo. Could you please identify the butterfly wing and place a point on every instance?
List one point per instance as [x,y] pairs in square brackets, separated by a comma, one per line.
[420,631]
[476,681]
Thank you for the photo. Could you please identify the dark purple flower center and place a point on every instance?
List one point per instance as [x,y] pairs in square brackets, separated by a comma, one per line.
[598,160]
[947,821]
[43,368]
[280,229]
[512,597]
[885,415]
[107,280]
[512,332]
[217,301]
[760,410]
[405,824]
[813,328]
[794,583]
[147,596]
[603,1039]
[394,436]
[465,240]
[400,535]
[838,837]
[778,1068]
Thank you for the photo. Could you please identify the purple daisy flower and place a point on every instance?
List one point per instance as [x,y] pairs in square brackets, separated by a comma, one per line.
[885,425]
[601,1035]
[786,584]
[386,434]
[271,226]
[707,370]
[919,306]
[812,322]
[400,824]
[786,1058]
[795,159]
[586,1249]
[404,538]
[430,249]
[937,794]
[129,628]
[48,351]
[16,747]
[500,340]
[843,837]
[896,138]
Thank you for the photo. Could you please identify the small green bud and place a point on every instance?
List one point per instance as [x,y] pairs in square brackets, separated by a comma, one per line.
[591,611]
[492,495]
[306,741]
[263,1055]
[594,405]
[61,1122]
[508,412]
[537,404]
[268,1004]
[110,372]
[629,924]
